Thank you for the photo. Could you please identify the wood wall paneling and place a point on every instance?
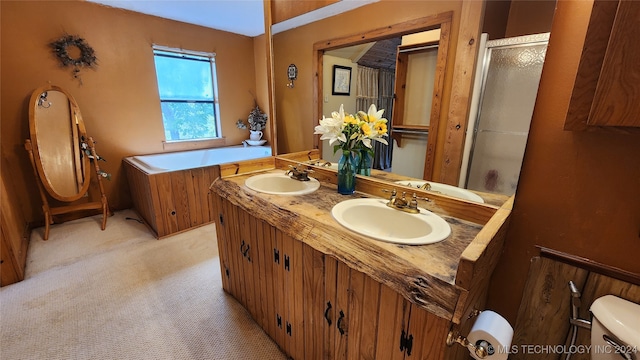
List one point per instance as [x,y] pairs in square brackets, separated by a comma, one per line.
[14,236]
[543,317]
[282,10]
[173,202]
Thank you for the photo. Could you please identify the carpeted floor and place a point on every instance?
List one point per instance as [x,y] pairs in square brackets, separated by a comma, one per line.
[122,294]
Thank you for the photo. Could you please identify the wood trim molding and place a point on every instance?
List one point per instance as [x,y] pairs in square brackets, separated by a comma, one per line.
[461,90]
[588,264]
[273,129]
[438,94]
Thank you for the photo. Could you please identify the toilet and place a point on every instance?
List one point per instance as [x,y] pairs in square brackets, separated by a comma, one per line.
[615,329]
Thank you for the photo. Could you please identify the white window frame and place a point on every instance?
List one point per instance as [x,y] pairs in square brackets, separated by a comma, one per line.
[196,143]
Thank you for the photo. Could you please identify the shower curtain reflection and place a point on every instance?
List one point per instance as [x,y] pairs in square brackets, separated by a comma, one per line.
[375,86]
[384,153]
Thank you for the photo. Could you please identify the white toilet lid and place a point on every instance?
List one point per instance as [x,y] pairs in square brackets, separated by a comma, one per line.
[621,317]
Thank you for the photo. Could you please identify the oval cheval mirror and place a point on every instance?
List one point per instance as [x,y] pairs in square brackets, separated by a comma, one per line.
[61,154]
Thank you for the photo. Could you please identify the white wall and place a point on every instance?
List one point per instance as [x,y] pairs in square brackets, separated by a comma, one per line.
[408,160]
[332,102]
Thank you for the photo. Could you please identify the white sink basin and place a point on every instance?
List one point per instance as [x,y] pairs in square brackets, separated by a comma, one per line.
[281,184]
[373,218]
[445,189]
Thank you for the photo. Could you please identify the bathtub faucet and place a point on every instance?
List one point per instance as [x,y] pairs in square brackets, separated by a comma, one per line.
[298,174]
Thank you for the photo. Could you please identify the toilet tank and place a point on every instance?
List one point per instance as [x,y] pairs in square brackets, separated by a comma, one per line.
[615,321]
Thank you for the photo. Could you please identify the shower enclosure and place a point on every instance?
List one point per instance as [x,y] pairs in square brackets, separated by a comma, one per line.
[505,93]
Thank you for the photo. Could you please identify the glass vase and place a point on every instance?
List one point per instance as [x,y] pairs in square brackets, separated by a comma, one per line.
[365,162]
[347,173]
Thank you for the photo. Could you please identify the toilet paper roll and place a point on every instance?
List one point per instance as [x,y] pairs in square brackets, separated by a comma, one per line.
[494,333]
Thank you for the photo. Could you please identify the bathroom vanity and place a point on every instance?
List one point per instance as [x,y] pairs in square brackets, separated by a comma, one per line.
[322,291]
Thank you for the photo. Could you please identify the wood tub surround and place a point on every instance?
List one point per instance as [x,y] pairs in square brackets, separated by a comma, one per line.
[322,291]
[172,202]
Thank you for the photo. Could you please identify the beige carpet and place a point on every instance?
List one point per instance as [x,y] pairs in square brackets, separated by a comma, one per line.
[122,294]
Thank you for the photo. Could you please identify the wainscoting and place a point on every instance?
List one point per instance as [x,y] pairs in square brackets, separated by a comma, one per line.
[543,317]
[171,202]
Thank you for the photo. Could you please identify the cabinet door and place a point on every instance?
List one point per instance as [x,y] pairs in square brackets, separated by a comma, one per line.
[293,295]
[364,309]
[317,311]
[286,279]
[249,256]
[331,309]
[235,249]
[428,334]
[393,319]
[238,246]
[607,84]
[269,269]
[363,319]
[223,239]
[341,332]
[615,100]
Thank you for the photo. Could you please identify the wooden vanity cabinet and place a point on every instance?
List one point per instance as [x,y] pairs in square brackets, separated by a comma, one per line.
[262,268]
[314,306]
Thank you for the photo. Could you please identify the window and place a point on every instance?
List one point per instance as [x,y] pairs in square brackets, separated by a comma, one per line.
[188,94]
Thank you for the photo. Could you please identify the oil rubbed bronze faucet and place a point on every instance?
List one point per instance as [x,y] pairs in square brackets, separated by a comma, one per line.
[298,174]
[402,204]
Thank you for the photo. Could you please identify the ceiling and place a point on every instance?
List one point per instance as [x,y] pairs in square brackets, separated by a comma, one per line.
[382,54]
[244,17]
[378,55]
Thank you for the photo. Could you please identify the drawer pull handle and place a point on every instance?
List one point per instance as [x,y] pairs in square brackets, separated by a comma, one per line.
[339,324]
[326,313]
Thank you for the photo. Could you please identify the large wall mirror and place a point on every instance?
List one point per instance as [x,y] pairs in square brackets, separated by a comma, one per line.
[494,145]
[400,70]
[61,151]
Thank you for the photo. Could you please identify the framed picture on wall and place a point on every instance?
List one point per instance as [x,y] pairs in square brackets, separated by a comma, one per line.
[341,80]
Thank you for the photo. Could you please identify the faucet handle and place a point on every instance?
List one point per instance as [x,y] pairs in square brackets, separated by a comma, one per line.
[393,193]
[413,204]
[420,198]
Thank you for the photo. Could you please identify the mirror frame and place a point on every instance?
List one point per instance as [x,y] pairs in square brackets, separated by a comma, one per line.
[78,131]
[440,21]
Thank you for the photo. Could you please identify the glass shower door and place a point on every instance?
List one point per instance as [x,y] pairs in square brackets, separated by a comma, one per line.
[511,74]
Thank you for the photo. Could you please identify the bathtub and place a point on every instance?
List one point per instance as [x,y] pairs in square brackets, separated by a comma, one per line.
[158,163]
[170,191]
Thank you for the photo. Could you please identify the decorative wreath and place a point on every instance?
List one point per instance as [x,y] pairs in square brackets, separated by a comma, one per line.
[87,55]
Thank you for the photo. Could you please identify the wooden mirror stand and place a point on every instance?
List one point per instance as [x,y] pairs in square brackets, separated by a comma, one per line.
[62,155]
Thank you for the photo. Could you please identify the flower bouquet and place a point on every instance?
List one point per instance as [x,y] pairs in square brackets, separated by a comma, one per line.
[353,134]
[257,122]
